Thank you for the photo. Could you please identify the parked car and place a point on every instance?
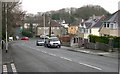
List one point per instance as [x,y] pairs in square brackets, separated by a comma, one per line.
[52,42]
[40,41]
[24,38]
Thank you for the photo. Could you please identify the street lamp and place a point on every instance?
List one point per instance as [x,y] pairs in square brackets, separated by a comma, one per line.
[6,10]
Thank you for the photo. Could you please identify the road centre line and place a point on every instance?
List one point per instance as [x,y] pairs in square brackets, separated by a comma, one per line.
[90,66]
[5,68]
[13,67]
[66,58]
[51,54]
[71,60]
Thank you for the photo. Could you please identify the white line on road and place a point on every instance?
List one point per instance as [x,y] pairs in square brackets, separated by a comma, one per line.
[90,66]
[66,58]
[36,49]
[5,69]
[43,51]
[71,60]
[13,67]
[52,54]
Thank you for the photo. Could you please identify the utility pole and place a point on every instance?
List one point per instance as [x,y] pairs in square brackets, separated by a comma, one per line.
[44,25]
[49,27]
[1,25]
[6,10]
[0,21]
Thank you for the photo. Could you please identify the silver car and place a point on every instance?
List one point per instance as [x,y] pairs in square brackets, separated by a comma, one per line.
[52,42]
[40,42]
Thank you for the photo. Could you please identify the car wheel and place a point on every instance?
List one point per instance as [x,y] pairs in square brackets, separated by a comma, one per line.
[59,46]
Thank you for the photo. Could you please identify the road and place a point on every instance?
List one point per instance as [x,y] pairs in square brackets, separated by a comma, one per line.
[28,57]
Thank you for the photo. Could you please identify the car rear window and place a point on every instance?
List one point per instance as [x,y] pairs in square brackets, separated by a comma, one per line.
[54,39]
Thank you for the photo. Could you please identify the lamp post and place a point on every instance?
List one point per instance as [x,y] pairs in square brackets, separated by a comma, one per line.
[6,10]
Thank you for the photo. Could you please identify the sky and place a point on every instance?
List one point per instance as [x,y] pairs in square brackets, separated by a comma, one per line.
[34,6]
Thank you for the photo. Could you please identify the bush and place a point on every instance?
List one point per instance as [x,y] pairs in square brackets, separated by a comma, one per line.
[116,42]
[104,39]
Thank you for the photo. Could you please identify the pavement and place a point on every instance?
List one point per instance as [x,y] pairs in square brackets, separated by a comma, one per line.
[93,52]
[0,61]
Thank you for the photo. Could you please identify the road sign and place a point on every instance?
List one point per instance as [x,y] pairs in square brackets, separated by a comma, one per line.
[9,0]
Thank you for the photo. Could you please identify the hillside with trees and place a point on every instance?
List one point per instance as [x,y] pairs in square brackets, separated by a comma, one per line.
[72,14]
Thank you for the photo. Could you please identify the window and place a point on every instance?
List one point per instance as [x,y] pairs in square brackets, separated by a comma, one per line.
[104,24]
[82,30]
[108,24]
[46,28]
[86,30]
[111,26]
[74,40]
[53,28]
[90,30]
[57,27]
[71,27]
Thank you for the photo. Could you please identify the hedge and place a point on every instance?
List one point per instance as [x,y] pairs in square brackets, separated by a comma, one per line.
[104,39]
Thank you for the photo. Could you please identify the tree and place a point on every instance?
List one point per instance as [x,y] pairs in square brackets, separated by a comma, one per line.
[14,18]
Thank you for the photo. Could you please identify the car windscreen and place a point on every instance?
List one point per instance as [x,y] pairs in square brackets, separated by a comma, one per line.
[54,39]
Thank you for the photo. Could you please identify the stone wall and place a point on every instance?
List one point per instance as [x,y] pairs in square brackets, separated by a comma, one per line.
[97,46]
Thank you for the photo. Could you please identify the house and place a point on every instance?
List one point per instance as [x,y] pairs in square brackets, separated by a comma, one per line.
[72,31]
[110,27]
[55,29]
[89,27]
[73,27]
[63,27]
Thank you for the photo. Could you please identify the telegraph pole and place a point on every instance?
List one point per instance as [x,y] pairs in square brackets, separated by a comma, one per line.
[49,27]
[44,25]
[0,24]
[6,5]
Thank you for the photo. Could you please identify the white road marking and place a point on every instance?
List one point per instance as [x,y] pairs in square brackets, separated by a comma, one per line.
[13,67]
[4,68]
[36,49]
[52,54]
[70,59]
[90,66]
[44,52]
[66,58]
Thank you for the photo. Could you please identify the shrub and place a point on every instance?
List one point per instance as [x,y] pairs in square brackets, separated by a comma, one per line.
[104,39]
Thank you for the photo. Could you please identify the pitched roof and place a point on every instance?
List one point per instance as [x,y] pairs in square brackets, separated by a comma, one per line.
[99,22]
[76,23]
[94,22]
[88,24]
[114,17]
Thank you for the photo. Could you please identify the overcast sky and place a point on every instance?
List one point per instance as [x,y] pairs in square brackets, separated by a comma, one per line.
[34,6]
